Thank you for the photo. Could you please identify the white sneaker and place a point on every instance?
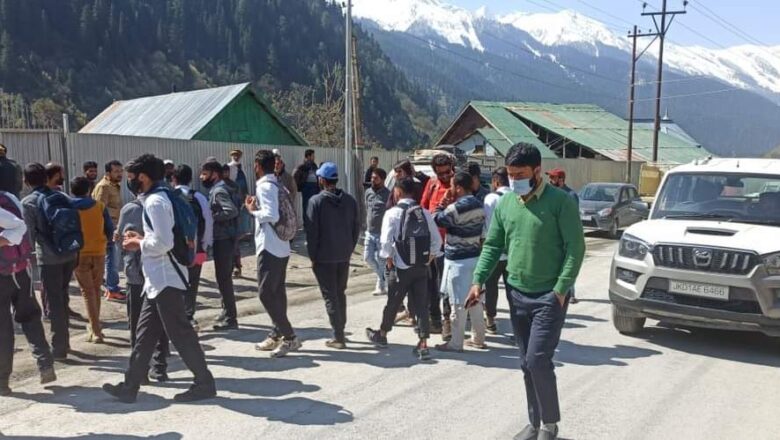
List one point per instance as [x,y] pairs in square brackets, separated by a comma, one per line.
[270,344]
[378,290]
[286,347]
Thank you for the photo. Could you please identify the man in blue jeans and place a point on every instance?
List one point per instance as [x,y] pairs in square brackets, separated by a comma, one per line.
[376,205]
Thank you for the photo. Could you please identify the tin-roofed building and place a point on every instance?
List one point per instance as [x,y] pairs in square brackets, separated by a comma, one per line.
[223,114]
[562,131]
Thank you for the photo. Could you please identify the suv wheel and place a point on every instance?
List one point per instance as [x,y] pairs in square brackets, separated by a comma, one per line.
[627,325]
[614,230]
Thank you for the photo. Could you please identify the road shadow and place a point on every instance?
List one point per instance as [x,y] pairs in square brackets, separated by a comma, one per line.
[745,347]
[102,436]
[292,410]
[592,355]
[256,333]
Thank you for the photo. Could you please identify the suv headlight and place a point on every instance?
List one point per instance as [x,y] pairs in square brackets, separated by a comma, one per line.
[605,212]
[772,263]
[632,247]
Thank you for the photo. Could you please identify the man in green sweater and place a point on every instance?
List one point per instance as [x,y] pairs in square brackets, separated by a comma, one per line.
[538,227]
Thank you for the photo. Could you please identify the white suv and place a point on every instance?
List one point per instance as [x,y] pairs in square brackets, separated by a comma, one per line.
[709,256]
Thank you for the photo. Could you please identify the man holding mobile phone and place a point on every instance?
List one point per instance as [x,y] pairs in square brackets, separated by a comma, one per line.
[539,229]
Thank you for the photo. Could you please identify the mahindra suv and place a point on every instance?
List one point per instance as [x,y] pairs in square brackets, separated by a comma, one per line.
[709,255]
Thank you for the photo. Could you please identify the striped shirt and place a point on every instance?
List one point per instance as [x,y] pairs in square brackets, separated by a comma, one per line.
[464,222]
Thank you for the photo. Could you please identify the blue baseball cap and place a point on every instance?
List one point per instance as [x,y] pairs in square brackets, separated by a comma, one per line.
[328,170]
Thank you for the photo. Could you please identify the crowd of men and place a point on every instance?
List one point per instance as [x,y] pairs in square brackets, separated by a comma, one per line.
[442,241]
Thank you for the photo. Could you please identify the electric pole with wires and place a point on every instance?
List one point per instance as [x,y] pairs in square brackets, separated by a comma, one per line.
[661,29]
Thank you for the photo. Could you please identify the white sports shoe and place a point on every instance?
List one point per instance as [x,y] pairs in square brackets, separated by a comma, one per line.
[286,347]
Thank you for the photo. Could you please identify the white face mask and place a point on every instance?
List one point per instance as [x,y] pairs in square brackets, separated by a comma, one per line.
[521,187]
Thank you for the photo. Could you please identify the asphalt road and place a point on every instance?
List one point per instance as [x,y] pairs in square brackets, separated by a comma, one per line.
[666,384]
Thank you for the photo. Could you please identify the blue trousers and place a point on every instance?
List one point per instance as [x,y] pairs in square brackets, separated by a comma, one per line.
[112,273]
[539,323]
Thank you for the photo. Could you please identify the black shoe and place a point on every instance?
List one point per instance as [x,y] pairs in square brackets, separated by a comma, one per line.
[435,327]
[60,356]
[48,375]
[528,433]
[197,392]
[159,376]
[226,325]
[573,300]
[121,391]
[376,337]
[4,390]
[422,354]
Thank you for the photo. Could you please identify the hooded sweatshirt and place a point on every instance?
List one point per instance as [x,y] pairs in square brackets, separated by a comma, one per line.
[333,227]
[96,226]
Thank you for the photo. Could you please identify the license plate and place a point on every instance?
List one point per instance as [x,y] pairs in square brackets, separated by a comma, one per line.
[586,218]
[699,289]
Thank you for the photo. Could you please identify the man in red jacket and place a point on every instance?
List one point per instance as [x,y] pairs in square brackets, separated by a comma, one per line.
[434,194]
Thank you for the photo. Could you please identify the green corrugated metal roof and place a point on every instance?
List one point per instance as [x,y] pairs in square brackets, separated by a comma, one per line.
[507,128]
[603,132]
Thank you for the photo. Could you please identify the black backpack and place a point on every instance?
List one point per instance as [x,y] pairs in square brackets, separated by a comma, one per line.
[63,223]
[413,242]
[198,211]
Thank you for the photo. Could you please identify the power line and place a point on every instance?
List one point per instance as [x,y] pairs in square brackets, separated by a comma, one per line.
[608,14]
[688,95]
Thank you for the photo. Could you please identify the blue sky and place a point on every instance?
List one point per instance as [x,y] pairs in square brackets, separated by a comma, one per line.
[758,18]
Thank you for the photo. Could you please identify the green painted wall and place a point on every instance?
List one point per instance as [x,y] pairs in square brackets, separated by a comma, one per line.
[246,121]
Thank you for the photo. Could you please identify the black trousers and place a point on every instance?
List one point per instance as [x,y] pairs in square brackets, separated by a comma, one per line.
[439,307]
[56,280]
[191,298]
[271,278]
[16,294]
[540,321]
[413,281]
[223,268]
[165,313]
[332,278]
[491,289]
[135,301]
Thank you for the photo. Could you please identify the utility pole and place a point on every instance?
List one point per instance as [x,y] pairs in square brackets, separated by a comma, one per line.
[348,130]
[661,35]
[631,94]
[357,118]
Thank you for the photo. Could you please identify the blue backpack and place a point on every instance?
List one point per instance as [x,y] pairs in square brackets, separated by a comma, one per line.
[63,222]
[185,228]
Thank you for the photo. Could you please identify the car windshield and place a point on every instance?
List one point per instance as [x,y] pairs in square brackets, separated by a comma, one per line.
[599,193]
[726,197]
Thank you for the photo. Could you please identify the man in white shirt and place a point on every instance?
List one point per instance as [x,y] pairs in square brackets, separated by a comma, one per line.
[164,290]
[401,277]
[272,257]
[182,178]
[500,184]
[16,292]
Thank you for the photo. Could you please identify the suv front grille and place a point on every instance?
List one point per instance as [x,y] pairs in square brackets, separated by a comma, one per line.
[704,259]
[734,305]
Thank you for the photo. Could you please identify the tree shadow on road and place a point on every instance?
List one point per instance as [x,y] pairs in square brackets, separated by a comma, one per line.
[103,436]
[745,347]
[592,355]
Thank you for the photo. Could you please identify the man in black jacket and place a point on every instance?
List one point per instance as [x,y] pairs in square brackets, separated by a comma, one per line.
[222,200]
[332,231]
[306,179]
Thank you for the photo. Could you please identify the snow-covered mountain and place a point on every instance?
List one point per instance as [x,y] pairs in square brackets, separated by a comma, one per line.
[455,25]
[748,67]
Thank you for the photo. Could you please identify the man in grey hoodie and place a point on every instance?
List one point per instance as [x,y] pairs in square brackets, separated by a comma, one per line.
[131,220]
[332,231]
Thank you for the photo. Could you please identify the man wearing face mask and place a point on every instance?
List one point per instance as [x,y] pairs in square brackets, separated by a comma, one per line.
[108,192]
[56,268]
[540,231]
[225,214]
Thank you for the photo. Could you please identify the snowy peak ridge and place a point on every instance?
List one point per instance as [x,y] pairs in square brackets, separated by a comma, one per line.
[564,28]
[455,25]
